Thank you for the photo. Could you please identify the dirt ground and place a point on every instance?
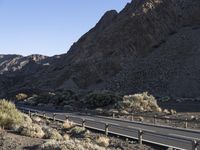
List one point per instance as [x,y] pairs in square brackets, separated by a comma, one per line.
[11,141]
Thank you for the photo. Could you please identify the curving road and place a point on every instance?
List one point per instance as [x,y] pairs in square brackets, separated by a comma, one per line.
[161,135]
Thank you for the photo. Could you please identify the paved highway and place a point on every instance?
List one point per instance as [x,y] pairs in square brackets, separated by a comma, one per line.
[161,135]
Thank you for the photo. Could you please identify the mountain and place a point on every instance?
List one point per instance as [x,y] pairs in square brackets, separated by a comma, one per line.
[13,63]
[151,45]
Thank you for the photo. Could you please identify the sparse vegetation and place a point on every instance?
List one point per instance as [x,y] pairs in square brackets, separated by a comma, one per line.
[57,98]
[70,145]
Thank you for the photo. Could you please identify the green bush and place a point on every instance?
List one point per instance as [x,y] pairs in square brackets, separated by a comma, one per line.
[98,100]
[9,115]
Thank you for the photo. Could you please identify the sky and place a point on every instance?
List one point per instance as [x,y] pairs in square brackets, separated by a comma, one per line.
[48,27]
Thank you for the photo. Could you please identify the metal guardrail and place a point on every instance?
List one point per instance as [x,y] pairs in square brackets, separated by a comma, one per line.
[185,122]
[132,133]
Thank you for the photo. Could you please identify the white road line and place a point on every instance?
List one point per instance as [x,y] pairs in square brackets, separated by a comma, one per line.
[141,129]
[177,135]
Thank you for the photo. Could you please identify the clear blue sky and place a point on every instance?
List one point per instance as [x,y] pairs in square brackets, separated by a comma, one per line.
[48,27]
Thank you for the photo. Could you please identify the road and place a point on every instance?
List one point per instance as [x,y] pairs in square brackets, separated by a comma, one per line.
[161,135]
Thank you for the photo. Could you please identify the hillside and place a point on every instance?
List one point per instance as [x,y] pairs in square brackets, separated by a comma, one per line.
[151,45]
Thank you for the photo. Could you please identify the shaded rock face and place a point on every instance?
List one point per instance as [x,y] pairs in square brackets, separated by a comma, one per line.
[150,45]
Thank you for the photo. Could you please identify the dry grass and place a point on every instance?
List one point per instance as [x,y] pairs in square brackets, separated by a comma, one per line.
[36,119]
[140,103]
[70,145]
[77,131]
[9,115]
[103,141]
[32,130]
[68,125]
[51,133]
[66,137]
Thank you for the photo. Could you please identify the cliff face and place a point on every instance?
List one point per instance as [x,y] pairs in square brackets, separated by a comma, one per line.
[150,45]
[128,38]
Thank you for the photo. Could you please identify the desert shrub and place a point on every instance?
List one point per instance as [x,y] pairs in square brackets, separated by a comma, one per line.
[51,133]
[98,100]
[59,98]
[36,119]
[103,141]
[68,125]
[9,115]
[66,137]
[70,145]
[32,130]
[172,112]
[57,145]
[21,96]
[79,132]
[139,103]
[26,119]
[166,111]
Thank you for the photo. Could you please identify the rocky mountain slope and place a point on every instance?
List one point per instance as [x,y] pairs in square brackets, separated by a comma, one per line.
[151,45]
[13,63]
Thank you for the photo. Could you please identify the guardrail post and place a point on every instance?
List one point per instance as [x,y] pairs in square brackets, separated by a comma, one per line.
[106,129]
[154,119]
[140,133]
[186,123]
[132,118]
[44,115]
[54,116]
[83,123]
[67,118]
[29,113]
[194,145]
[113,115]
